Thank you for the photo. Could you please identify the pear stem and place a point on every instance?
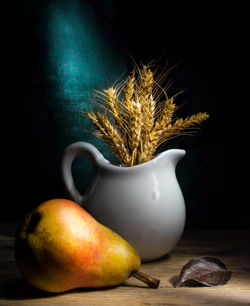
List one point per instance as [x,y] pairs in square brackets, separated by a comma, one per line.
[150,281]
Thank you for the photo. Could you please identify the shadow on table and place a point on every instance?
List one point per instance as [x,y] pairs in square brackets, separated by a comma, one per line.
[190,284]
[19,289]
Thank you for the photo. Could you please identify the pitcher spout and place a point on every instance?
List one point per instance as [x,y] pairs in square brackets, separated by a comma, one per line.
[172,156]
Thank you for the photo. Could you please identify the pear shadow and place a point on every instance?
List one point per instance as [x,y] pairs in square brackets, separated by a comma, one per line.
[19,289]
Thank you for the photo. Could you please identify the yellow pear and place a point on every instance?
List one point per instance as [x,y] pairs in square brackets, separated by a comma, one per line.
[59,246]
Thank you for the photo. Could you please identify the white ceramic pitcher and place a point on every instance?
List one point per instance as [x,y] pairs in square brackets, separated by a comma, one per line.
[143,203]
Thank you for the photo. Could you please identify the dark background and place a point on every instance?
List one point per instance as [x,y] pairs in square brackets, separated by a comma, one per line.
[210,46]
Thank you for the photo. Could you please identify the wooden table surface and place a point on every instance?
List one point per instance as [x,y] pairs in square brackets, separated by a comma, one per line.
[232,247]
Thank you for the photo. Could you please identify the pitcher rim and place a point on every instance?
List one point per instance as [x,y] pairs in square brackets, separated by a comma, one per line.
[107,164]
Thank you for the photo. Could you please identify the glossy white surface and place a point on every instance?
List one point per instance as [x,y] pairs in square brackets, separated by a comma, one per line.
[144,203]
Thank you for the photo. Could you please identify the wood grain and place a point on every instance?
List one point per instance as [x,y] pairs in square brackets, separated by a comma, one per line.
[232,247]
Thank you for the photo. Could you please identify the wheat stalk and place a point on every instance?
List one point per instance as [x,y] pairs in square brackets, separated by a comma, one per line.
[110,134]
[145,95]
[180,125]
[134,129]
[129,90]
[133,113]
[161,123]
[116,110]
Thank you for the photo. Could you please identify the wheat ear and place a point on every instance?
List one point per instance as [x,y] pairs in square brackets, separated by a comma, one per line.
[115,108]
[182,124]
[145,94]
[134,128]
[129,90]
[133,119]
[110,135]
[165,118]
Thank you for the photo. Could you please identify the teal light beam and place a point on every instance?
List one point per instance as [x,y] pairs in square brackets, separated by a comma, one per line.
[80,58]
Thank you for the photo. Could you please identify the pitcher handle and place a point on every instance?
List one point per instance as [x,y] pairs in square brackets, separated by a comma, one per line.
[70,154]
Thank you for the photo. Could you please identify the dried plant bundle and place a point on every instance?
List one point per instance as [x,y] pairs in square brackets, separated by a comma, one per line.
[135,121]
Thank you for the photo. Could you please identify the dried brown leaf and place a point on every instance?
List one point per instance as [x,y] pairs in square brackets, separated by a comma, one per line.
[204,270]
